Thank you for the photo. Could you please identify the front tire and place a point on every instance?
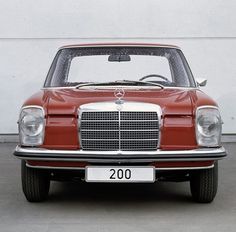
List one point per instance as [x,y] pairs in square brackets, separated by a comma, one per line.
[204,183]
[35,183]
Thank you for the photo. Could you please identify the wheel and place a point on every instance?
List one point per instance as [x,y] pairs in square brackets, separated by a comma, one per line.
[203,184]
[35,183]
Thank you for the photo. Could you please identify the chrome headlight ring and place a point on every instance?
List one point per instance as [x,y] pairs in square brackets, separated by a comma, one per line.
[31,125]
[208,126]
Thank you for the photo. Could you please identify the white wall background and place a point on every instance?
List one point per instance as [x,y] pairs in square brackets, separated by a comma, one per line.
[31,32]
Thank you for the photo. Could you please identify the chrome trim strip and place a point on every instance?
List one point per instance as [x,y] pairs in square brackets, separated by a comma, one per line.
[120,139]
[83,168]
[127,106]
[106,87]
[123,130]
[120,45]
[33,106]
[185,168]
[119,120]
[43,151]
[118,160]
[205,154]
[119,129]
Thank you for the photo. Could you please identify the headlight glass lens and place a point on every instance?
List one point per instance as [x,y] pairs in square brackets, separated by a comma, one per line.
[208,126]
[31,126]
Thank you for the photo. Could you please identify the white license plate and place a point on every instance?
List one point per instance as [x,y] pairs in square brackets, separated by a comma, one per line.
[119,174]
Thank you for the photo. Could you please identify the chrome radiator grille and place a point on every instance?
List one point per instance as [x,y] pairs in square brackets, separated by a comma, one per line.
[119,130]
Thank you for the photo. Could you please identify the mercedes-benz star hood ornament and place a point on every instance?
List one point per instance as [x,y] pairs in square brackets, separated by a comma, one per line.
[119,94]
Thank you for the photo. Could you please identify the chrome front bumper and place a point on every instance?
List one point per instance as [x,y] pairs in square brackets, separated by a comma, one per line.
[201,154]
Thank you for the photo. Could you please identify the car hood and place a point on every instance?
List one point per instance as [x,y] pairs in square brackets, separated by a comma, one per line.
[173,101]
[67,101]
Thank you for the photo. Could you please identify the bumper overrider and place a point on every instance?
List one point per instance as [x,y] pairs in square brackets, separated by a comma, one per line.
[119,157]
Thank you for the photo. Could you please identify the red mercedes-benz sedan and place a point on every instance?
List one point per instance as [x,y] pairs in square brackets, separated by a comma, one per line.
[119,113]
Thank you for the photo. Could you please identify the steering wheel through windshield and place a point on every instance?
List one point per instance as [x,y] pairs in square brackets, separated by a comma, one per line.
[154,75]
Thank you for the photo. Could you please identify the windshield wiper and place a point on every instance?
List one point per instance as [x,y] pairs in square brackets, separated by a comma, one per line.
[96,84]
[118,83]
[144,82]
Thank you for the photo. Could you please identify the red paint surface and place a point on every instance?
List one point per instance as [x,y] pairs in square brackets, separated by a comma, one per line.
[155,164]
[182,164]
[57,163]
[178,115]
[178,108]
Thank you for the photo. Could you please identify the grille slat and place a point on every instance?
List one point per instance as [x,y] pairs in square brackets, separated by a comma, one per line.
[142,125]
[100,134]
[114,130]
[139,134]
[139,145]
[111,115]
[100,125]
[100,145]
[145,116]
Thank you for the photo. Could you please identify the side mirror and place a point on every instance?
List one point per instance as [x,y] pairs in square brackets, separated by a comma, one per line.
[201,82]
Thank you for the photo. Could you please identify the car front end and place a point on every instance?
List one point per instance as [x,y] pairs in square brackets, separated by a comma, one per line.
[120,130]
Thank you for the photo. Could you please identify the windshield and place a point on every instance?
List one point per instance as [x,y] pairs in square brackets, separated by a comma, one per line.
[119,65]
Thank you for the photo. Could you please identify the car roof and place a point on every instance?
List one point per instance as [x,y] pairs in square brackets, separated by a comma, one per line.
[119,45]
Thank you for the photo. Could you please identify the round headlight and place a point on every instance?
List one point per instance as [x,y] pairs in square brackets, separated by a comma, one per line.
[208,126]
[31,125]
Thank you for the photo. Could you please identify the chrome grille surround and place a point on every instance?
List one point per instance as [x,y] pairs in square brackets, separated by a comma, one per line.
[130,126]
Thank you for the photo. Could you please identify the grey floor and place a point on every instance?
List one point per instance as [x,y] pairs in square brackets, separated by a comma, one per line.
[113,208]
